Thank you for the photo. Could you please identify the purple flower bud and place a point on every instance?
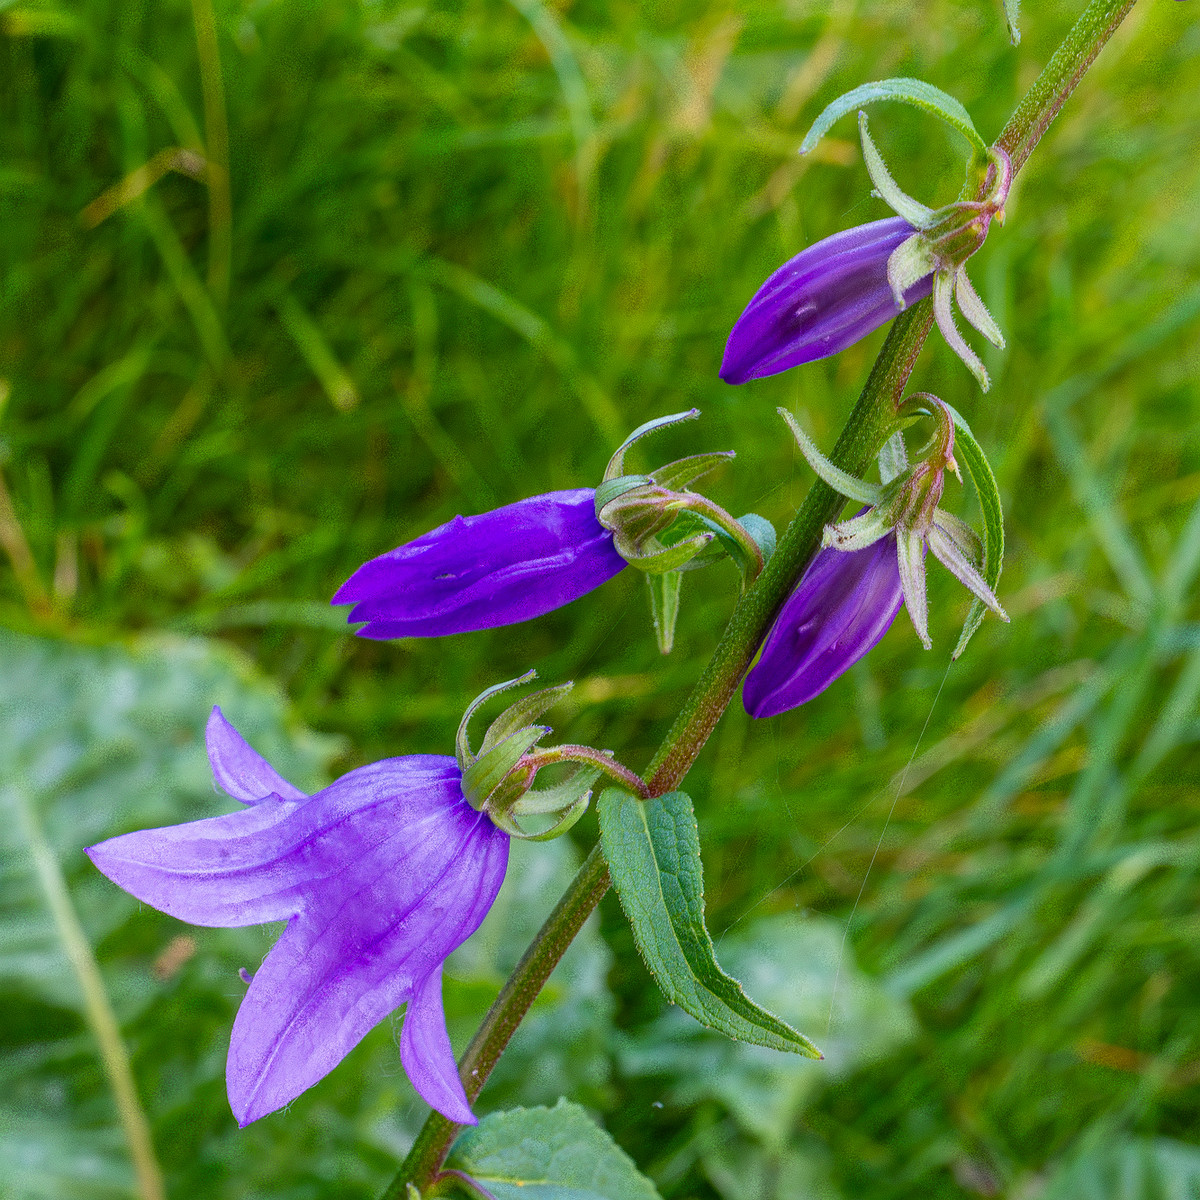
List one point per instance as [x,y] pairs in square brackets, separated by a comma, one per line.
[826,298]
[843,605]
[379,877]
[497,568]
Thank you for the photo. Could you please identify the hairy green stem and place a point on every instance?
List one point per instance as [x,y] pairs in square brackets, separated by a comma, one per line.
[868,427]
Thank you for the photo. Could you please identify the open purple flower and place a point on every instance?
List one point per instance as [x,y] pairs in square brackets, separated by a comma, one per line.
[379,877]
[511,564]
[842,607]
[828,297]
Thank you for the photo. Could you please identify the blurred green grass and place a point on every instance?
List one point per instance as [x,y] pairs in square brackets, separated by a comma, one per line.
[472,244]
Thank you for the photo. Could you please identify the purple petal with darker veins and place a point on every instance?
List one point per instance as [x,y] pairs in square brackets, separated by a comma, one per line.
[497,568]
[427,1055]
[238,768]
[363,944]
[842,607]
[828,297]
[256,865]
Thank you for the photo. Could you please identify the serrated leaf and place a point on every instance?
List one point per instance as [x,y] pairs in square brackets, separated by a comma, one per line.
[664,607]
[556,1153]
[916,92]
[653,852]
[988,491]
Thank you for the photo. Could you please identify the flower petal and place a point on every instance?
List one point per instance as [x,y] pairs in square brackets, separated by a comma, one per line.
[362,945]
[427,1055]
[825,299]
[224,871]
[497,568]
[240,770]
[842,607]
[256,865]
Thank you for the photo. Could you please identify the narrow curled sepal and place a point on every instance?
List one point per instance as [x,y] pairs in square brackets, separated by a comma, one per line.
[616,465]
[841,482]
[911,557]
[943,313]
[900,202]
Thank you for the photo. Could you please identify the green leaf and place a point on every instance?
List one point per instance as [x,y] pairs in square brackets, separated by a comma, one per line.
[971,453]
[664,607]
[916,92]
[556,1153]
[805,970]
[653,852]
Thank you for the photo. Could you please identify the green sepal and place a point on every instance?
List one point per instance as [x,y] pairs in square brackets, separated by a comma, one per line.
[685,471]
[537,802]
[611,489]
[653,852]
[664,607]
[462,741]
[490,770]
[762,533]
[916,92]
[616,464]
[971,453]
[669,558]
[503,820]
[525,712]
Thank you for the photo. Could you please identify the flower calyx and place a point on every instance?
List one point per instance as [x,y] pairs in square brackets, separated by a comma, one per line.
[906,504]
[499,779]
[660,525]
[942,241]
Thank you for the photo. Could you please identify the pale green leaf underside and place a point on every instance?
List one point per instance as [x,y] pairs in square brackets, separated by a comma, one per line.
[555,1153]
[653,852]
[916,92]
[969,451]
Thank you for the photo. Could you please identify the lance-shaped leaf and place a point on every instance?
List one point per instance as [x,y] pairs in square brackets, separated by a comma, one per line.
[653,852]
[986,488]
[916,92]
[556,1153]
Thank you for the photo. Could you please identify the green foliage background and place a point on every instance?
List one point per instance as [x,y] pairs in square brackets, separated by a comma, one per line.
[472,243]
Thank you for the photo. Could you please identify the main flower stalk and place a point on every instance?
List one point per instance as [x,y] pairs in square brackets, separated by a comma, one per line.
[868,426]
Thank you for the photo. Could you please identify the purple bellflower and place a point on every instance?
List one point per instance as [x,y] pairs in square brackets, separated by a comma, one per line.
[828,297]
[500,567]
[834,293]
[850,595]
[379,877]
[841,608]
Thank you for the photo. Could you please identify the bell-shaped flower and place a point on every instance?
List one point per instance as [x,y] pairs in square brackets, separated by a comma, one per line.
[836,292]
[379,877]
[842,607]
[828,297]
[500,567]
[850,594]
